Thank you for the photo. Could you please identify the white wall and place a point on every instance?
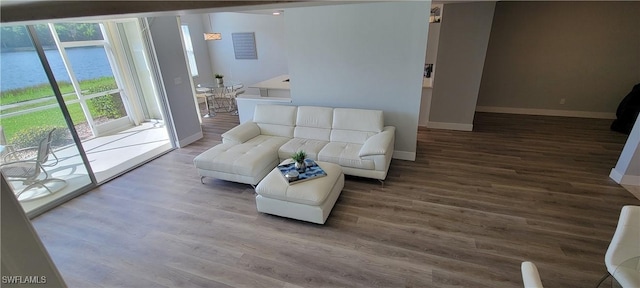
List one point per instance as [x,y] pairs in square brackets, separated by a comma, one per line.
[464,37]
[270,45]
[167,41]
[627,170]
[430,57]
[200,48]
[541,52]
[362,56]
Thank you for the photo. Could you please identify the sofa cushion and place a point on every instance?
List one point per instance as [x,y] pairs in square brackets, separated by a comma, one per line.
[310,146]
[379,143]
[275,120]
[313,123]
[244,159]
[358,119]
[345,154]
[241,133]
[355,125]
[350,136]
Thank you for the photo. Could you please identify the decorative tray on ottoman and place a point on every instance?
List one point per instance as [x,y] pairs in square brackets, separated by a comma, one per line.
[291,175]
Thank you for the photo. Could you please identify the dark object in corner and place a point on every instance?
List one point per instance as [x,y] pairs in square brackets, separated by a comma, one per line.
[627,111]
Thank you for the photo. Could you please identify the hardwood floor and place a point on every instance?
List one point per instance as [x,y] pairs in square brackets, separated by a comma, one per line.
[465,213]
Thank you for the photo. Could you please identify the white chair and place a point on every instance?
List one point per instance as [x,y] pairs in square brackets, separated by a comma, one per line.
[233,105]
[530,275]
[623,255]
[5,148]
[29,171]
[204,95]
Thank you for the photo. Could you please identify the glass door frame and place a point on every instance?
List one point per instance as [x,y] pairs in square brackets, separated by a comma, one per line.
[67,117]
[116,58]
[115,124]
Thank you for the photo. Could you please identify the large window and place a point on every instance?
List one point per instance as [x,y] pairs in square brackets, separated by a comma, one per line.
[108,100]
[189,48]
[30,114]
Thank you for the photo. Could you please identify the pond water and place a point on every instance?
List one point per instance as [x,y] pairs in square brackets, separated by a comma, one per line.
[23,68]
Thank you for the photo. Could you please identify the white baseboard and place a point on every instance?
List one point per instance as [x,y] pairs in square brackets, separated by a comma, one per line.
[450,126]
[190,139]
[546,112]
[630,180]
[404,155]
[624,179]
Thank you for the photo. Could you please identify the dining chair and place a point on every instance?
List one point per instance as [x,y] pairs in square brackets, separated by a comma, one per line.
[530,275]
[623,254]
[231,96]
[205,95]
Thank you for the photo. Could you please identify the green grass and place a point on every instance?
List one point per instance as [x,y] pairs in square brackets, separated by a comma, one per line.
[44,90]
[50,101]
[48,117]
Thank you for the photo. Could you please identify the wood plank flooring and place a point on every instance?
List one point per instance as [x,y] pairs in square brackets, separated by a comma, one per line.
[465,214]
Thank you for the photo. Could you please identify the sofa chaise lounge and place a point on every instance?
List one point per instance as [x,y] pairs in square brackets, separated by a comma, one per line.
[355,139]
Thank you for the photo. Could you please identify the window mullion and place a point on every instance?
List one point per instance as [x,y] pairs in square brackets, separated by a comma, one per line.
[74,81]
[116,69]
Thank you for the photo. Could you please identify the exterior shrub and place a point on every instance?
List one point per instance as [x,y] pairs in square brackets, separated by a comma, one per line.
[32,136]
[109,106]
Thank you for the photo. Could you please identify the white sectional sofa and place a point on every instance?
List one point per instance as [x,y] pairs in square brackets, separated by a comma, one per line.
[355,139]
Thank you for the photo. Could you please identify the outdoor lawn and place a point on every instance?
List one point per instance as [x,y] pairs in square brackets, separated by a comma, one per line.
[103,106]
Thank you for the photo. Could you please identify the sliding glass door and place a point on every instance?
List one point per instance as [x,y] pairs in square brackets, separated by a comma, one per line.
[106,119]
[122,123]
[30,114]
[89,64]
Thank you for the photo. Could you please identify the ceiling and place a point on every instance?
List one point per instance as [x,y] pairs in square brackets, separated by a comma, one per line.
[37,10]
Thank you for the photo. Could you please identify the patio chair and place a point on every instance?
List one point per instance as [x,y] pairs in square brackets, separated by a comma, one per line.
[5,148]
[15,155]
[29,171]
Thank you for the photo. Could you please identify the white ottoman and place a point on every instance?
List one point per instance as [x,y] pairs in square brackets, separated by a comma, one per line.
[310,201]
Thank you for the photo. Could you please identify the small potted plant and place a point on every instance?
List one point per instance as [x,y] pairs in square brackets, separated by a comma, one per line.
[299,157]
[219,79]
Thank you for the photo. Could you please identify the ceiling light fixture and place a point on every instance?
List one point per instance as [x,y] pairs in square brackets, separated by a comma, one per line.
[276,13]
[211,36]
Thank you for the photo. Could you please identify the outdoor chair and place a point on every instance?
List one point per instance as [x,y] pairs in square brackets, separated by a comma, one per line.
[29,171]
[5,149]
[15,155]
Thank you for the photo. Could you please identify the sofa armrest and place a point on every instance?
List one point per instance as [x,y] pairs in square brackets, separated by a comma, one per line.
[379,143]
[241,133]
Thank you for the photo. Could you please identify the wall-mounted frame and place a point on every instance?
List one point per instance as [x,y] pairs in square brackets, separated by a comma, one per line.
[244,45]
